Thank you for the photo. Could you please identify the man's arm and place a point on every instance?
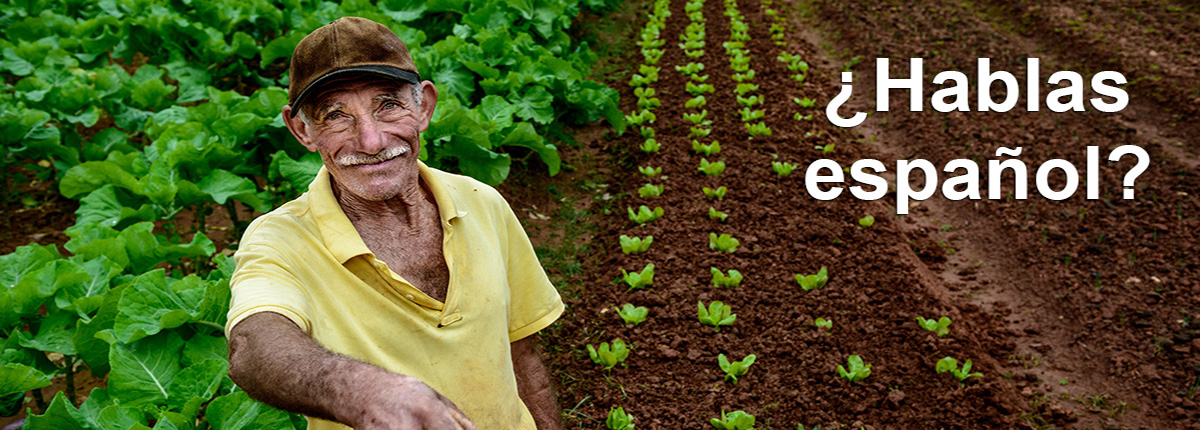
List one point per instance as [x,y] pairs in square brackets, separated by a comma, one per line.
[533,385]
[277,363]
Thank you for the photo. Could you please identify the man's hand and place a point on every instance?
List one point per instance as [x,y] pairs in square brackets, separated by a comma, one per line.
[275,362]
[533,385]
[410,404]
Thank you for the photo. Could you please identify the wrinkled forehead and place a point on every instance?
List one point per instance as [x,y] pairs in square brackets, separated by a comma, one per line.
[374,85]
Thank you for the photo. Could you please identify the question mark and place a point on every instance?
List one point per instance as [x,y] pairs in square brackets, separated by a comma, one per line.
[1143,162]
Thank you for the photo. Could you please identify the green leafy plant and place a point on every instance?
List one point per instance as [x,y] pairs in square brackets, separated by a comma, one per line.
[712,169]
[641,117]
[751,115]
[696,90]
[758,129]
[716,215]
[823,323]
[744,77]
[695,132]
[646,132]
[749,101]
[805,102]
[825,149]
[644,214]
[718,193]
[609,356]
[798,77]
[949,364]
[650,171]
[866,221]
[651,190]
[735,369]
[697,118]
[639,280]
[736,420]
[721,279]
[710,149]
[941,326]
[618,419]
[694,54]
[690,68]
[857,370]
[630,245]
[813,282]
[782,168]
[723,243]
[695,102]
[632,314]
[650,146]
[717,314]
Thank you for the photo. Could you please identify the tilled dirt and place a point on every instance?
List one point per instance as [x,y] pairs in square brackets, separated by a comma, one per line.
[1077,312]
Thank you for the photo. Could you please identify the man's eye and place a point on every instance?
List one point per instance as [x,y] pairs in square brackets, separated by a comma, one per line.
[391,104]
[332,116]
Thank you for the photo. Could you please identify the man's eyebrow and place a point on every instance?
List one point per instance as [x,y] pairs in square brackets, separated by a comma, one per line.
[323,108]
[390,95]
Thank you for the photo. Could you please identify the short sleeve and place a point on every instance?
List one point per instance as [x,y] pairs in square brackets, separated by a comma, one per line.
[535,303]
[261,282]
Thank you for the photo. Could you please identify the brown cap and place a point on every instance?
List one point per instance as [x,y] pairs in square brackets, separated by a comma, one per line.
[347,45]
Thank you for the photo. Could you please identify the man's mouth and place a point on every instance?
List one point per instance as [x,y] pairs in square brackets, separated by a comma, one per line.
[386,155]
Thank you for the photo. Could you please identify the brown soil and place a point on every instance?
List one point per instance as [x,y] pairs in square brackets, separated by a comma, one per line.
[1078,313]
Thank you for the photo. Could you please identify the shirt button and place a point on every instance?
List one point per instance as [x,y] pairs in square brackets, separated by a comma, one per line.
[409,296]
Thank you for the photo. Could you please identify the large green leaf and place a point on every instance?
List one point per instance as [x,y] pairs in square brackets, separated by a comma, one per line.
[524,135]
[237,411]
[533,103]
[142,371]
[196,381]
[19,378]
[61,415]
[150,305]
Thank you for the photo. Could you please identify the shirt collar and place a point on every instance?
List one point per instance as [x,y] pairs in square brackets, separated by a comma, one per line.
[338,233]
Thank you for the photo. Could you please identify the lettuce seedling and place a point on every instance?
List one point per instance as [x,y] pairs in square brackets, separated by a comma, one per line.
[787,57]
[716,215]
[744,77]
[630,245]
[647,132]
[949,364]
[648,103]
[695,132]
[651,190]
[735,369]
[696,90]
[751,115]
[639,280]
[724,242]
[609,356]
[700,78]
[749,101]
[712,169]
[695,102]
[632,314]
[858,371]
[736,420]
[697,118]
[866,221]
[692,45]
[650,171]
[758,129]
[799,78]
[652,56]
[782,168]
[825,149]
[650,146]
[719,279]
[812,282]
[742,89]
[690,68]
[711,149]
[799,117]
[644,214]
[716,314]
[805,102]
[718,193]
[694,54]
[618,419]
[823,323]
[941,326]
[641,117]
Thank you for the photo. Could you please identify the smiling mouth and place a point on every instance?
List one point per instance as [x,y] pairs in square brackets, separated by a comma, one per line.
[389,154]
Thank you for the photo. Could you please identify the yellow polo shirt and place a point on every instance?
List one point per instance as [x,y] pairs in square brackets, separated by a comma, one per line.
[306,261]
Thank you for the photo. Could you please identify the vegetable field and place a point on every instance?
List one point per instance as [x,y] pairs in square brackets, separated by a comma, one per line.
[658,151]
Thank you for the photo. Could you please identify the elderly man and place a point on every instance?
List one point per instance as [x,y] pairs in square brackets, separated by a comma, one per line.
[390,295]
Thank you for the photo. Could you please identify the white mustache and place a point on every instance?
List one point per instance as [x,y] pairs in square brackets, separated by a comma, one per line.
[385,155]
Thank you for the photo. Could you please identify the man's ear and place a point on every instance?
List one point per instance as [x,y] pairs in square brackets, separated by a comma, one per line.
[299,129]
[428,103]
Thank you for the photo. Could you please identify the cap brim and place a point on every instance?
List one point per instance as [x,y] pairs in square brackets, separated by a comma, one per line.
[387,71]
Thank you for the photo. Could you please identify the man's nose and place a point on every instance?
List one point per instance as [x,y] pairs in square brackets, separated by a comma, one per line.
[370,135]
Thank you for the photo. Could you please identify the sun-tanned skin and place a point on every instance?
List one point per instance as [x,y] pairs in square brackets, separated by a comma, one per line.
[366,131]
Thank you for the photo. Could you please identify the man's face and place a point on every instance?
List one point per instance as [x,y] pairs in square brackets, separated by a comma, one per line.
[366,129]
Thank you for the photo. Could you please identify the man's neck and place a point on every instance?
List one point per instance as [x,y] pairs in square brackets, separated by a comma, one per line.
[405,209]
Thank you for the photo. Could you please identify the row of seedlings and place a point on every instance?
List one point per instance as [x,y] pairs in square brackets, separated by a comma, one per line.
[652,44]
